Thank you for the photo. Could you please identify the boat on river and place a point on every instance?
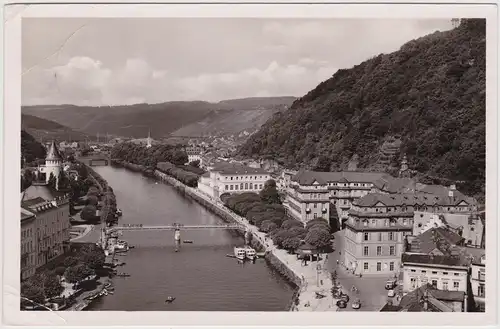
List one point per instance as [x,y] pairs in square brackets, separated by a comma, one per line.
[187,241]
[240,253]
[169,299]
[250,253]
[123,274]
[119,212]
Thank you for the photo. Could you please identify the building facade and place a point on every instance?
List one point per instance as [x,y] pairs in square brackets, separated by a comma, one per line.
[478,281]
[51,227]
[194,153]
[53,165]
[28,244]
[375,235]
[232,178]
[443,272]
[306,202]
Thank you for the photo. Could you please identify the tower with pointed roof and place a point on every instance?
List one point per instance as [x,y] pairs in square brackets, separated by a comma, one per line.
[53,163]
[404,172]
[148,145]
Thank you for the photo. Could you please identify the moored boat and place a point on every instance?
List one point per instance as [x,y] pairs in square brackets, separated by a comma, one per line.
[239,253]
[250,253]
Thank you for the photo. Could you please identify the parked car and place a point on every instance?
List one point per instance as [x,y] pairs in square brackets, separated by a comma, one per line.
[344,297]
[341,304]
[391,293]
[356,304]
[390,284]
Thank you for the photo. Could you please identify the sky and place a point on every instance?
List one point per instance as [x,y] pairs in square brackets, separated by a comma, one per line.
[121,61]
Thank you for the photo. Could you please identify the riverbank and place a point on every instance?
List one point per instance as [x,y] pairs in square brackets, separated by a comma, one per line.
[311,279]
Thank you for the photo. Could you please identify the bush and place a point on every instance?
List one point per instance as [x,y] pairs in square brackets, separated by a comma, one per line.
[78,273]
[70,261]
[268,226]
[319,238]
[289,223]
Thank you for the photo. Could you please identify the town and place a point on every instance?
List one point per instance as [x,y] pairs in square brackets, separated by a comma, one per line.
[393,244]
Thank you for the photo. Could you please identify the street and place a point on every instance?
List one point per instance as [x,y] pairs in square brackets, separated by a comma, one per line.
[371,288]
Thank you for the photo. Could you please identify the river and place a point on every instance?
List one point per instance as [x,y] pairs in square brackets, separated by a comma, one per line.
[200,275]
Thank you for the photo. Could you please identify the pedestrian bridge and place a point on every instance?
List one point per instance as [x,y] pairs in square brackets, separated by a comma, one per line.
[173,227]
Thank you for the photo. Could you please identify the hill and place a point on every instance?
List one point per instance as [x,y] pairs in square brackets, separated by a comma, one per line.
[162,119]
[429,95]
[31,149]
[48,130]
[236,116]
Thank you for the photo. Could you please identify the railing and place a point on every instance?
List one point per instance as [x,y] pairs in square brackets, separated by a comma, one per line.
[173,227]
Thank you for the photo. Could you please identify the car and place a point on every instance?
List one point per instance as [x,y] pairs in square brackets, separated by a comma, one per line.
[391,293]
[390,284]
[341,304]
[344,297]
[356,304]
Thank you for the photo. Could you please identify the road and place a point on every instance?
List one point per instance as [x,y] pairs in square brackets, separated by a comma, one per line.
[371,288]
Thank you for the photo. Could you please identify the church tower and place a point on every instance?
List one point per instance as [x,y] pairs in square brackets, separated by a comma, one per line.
[148,145]
[404,171]
[53,163]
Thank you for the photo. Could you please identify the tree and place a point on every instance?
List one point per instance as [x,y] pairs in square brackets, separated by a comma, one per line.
[291,243]
[93,256]
[78,273]
[298,232]
[268,226]
[319,238]
[33,292]
[323,164]
[93,190]
[60,270]
[317,223]
[89,213]
[52,181]
[92,200]
[269,193]
[288,224]
[70,261]
[62,181]
[195,163]
[52,286]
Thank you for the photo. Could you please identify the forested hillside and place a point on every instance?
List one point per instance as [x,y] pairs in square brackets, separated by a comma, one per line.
[430,93]
[31,149]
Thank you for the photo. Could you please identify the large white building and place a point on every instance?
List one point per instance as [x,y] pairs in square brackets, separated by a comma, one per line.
[227,177]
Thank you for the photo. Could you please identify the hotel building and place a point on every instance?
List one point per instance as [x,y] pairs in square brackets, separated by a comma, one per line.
[227,177]
[478,281]
[28,244]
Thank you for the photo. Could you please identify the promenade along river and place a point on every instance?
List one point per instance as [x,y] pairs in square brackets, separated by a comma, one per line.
[200,275]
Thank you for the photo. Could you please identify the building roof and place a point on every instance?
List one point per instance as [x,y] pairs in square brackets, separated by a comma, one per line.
[53,153]
[414,300]
[409,199]
[306,177]
[227,168]
[42,191]
[439,260]
[390,308]
[439,238]
[26,214]
[395,185]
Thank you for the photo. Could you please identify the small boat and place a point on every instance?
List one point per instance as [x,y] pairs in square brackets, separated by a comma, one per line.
[187,241]
[119,212]
[239,253]
[131,247]
[169,299]
[123,274]
[250,253]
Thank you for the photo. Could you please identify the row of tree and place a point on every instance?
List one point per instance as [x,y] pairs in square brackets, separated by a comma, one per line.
[187,177]
[75,268]
[265,211]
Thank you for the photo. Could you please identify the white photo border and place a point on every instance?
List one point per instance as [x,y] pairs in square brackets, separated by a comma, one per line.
[13,16]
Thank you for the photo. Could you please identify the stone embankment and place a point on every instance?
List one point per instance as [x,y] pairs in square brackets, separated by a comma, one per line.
[310,280]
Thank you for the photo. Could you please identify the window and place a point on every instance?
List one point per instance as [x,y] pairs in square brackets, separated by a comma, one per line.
[480,290]
[413,282]
[250,186]
[434,272]
[365,251]
[419,225]
[379,266]
[365,266]
[423,271]
[231,178]
[456,285]
[236,187]
[379,236]
[472,229]
[366,236]
[434,283]
[391,236]
[445,273]
[241,186]
[315,215]
[231,187]
[260,186]
[246,186]
[379,250]
[391,250]
[456,274]
[412,270]
[315,205]
[391,266]
[445,285]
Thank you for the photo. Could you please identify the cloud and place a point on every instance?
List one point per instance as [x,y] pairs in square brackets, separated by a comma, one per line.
[83,80]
